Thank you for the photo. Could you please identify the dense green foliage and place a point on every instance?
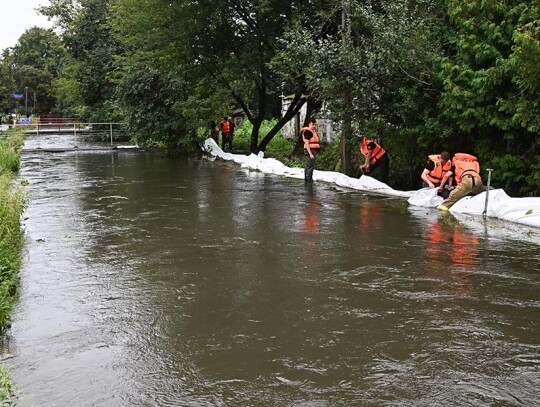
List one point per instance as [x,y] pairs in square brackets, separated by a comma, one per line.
[490,87]
[35,64]
[219,49]
[11,207]
[7,389]
[425,75]
[12,203]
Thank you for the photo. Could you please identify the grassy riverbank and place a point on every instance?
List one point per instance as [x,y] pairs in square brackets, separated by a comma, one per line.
[12,201]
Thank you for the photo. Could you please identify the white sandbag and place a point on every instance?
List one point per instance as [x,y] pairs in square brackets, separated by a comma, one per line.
[525,211]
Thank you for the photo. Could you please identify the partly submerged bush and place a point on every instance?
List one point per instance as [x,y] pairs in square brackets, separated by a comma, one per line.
[10,153]
[8,390]
[11,207]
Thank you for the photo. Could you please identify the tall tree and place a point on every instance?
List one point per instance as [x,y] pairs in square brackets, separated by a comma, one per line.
[311,22]
[6,81]
[92,49]
[223,45]
[490,81]
[32,66]
[366,74]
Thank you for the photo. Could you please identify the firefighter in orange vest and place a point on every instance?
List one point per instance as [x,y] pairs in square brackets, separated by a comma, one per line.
[311,148]
[225,133]
[375,157]
[434,171]
[466,170]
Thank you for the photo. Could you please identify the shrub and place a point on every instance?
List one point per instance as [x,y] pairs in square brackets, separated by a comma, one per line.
[9,152]
[12,202]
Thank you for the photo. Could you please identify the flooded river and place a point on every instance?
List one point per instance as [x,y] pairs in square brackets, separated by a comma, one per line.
[149,281]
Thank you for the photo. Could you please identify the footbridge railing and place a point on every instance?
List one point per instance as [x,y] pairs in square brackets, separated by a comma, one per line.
[105,131]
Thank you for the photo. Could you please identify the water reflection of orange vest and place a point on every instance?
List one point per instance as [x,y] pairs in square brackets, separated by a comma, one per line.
[437,174]
[370,218]
[310,217]
[465,164]
[463,248]
[376,153]
[434,237]
[451,244]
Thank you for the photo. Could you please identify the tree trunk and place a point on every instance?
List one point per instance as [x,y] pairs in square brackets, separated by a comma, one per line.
[346,138]
[257,120]
[295,106]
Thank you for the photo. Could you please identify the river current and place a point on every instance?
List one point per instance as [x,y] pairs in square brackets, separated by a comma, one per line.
[152,281]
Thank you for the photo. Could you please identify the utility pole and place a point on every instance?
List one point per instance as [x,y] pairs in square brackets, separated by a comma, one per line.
[26,101]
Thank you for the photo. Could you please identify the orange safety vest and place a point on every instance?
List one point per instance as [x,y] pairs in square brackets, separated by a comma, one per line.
[437,174]
[465,164]
[313,141]
[224,126]
[376,153]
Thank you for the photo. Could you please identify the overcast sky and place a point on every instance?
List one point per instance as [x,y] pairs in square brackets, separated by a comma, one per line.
[17,17]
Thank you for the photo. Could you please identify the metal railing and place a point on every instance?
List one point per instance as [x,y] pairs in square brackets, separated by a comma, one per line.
[102,131]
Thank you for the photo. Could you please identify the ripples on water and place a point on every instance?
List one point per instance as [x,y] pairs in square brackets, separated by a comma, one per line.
[164,283]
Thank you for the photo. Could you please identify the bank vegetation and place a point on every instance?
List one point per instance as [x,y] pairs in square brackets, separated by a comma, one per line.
[12,203]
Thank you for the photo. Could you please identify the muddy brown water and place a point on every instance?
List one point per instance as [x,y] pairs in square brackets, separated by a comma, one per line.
[149,281]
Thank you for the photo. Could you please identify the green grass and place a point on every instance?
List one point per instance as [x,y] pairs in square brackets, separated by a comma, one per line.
[10,145]
[12,204]
[8,390]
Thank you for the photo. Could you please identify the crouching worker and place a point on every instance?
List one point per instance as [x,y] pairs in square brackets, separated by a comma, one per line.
[436,168]
[466,171]
[375,158]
